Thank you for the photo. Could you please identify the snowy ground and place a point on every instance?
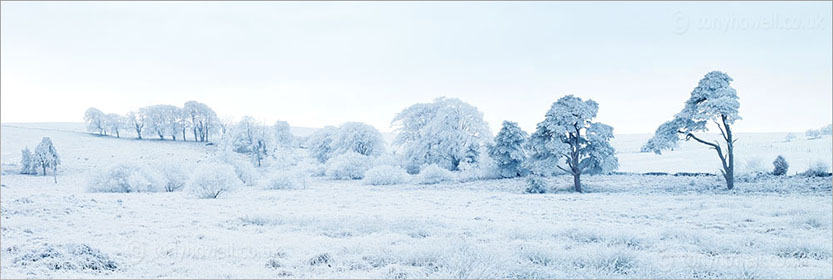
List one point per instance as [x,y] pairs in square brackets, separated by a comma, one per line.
[626,226]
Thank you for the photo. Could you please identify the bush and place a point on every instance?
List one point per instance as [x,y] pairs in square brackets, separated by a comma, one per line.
[385,175]
[348,166]
[535,184]
[817,169]
[284,180]
[175,176]
[127,178]
[434,174]
[211,180]
[781,166]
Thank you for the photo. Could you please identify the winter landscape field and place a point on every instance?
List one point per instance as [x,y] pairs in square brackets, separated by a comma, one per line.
[624,226]
[416,140]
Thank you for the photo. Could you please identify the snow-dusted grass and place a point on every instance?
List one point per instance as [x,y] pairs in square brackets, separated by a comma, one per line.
[625,226]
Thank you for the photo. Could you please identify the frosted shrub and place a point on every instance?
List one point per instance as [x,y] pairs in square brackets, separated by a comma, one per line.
[27,164]
[348,166]
[434,174]
[175,176]
[385,175]
[781,166]
[127,178]
[284,180]
[535,184]
[817,169]
[211,180]
[484,170]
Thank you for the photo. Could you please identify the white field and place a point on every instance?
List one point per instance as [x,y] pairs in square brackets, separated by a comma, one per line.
[626,226]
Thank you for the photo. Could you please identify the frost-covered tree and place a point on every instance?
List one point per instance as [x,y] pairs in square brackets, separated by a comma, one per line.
[46,157]
[136,120]
[813,134]
[446,132]
[320,143]
[712,100]
[780,166]
[114,123]
[508,150]
[183,123]
[358,137]
[283,137]
[27,162]
[161,120]
[95,118]
[790,137]
[826,130]
[203,119]
[569,140]
[251,138]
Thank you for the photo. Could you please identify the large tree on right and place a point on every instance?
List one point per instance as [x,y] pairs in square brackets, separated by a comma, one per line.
[712,100]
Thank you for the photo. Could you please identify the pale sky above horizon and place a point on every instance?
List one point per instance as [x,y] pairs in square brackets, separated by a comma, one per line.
[325,63]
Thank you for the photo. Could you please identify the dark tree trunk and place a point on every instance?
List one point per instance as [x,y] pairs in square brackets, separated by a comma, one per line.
[577,182]
[730,145]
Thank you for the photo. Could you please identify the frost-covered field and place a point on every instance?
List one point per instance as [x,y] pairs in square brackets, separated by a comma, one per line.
[626,226]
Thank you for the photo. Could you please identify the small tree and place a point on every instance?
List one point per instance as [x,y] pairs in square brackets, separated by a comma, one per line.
[251,138]
[137,120]
[283,137]
[569,139]
[781,166]
[358,137]
[95,118]
[508,151]
[320,143]
[813,134]
[114,124]
[790,137]
[712,100]
[27,162]
[46,157]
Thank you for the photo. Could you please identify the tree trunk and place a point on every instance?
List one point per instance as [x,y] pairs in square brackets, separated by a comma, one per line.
[117,134]
[183,135]
[730,143]
[577,182]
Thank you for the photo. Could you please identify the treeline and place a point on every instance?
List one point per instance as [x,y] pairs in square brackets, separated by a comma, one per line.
[162,121]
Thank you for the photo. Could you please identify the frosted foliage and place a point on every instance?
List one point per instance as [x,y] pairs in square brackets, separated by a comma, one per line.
[252,139]
[202,120]
[434,174]
[712,100]
[348,166]
[446,132]
[567,139]
[320,143]
[114,123]
[94,119]
[46,156]
[136,121]
[508,150]
[160,120]
[175,175]
[27,162]
[283,137]
[211,180]
[385,175]
[358,137]
[127,178]
[780,166]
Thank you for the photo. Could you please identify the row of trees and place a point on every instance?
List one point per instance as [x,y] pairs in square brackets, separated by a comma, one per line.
[818,133]
[158,120]
[44,159]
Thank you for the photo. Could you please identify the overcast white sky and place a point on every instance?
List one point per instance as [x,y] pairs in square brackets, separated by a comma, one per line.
[316,64]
